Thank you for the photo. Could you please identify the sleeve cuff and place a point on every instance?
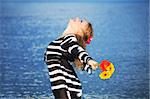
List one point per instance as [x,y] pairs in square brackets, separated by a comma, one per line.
[89,58]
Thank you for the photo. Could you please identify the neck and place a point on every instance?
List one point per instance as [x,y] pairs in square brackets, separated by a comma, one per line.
[68,31]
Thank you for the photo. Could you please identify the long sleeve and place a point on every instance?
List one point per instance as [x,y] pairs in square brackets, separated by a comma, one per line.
[71,46]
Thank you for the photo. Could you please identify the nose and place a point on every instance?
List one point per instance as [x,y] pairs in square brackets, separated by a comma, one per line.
[76,19]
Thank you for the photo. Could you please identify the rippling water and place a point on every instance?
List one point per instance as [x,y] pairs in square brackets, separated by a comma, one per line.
[121,36]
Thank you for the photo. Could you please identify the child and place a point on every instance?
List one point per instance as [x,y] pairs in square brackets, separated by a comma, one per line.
[69,48]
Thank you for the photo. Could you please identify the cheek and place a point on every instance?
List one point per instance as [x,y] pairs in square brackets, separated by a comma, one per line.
[72,24]
[84,27]
[77,25]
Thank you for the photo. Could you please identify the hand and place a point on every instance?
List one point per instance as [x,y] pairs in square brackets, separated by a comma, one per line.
[93,64]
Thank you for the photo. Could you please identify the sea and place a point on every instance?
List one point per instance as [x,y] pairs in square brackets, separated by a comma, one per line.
[121,35]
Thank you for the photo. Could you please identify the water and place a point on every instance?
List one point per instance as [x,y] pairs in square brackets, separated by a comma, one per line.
[121,36]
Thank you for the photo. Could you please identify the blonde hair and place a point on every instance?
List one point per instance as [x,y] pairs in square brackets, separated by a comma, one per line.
[81,37]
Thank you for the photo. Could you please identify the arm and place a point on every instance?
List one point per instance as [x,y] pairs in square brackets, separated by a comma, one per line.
[70,45]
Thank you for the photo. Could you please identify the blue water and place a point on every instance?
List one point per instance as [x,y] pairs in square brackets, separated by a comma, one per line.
[121,36]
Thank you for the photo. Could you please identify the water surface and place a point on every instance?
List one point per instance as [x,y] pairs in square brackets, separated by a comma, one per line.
[121,36]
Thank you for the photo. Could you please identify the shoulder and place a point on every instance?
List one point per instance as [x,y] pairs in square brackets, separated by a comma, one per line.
[70,37]
[69,40]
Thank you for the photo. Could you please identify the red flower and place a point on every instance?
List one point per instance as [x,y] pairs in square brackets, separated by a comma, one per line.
[104,64]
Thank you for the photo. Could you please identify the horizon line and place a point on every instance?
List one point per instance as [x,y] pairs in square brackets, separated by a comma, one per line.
[101,1]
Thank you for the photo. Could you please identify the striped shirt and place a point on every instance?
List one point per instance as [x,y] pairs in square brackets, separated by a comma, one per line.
[63,78]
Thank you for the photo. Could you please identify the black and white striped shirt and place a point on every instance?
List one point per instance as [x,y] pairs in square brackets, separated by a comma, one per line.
[63,78]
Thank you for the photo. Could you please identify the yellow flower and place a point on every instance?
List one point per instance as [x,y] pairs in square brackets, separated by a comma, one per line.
[110,68]
[105,75]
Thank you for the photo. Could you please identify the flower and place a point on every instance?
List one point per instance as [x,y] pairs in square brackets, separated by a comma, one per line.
[110,68]
[104,64]
[107,69]
[105,75]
